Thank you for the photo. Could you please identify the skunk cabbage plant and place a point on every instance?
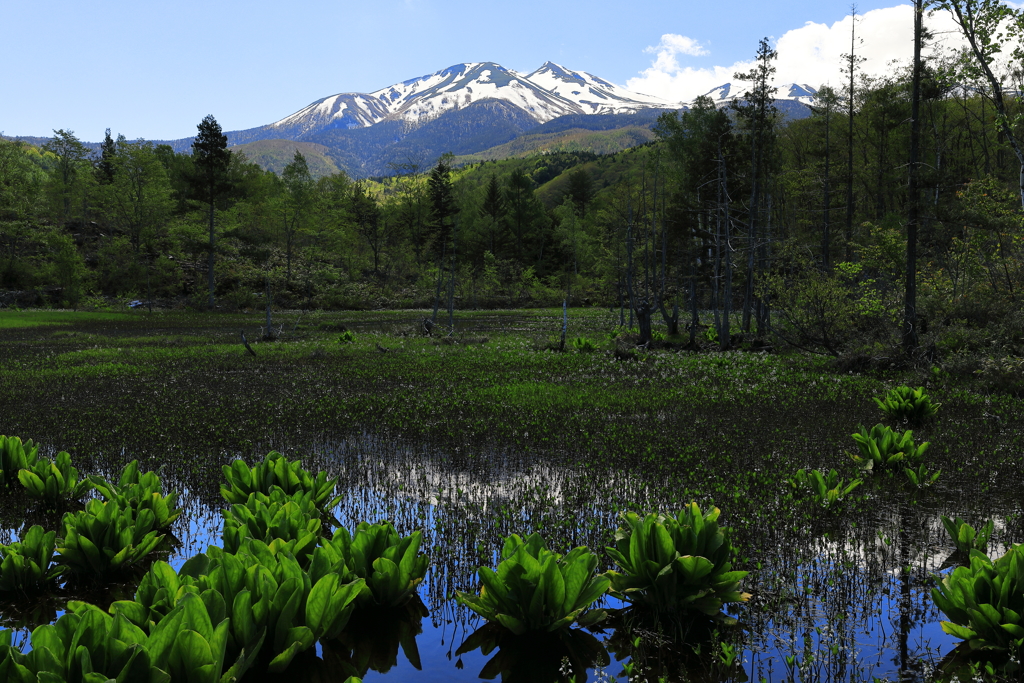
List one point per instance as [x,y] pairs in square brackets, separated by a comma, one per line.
[671,563]
[985,602]
[535,589]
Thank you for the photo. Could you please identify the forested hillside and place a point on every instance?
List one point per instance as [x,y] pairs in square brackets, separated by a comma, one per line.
[796,230]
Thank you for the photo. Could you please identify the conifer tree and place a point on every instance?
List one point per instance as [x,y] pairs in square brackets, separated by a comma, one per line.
[209,181]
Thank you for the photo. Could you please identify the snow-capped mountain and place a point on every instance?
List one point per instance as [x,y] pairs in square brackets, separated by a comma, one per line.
[794,92]
[469,108]
[549,92]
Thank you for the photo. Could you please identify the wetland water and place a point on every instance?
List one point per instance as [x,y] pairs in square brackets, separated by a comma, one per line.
[845,600]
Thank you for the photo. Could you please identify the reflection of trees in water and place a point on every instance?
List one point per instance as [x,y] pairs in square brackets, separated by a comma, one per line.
[828,588]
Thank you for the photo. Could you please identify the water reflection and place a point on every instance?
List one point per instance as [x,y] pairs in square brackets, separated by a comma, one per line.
[843,598]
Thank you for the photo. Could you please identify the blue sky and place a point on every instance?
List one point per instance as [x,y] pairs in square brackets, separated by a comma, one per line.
[155,69]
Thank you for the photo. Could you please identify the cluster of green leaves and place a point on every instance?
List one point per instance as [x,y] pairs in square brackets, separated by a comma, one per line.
[50,482]
[15,456]
[390,564]
[280,520]
[277,470]
[106,540]
[54,481]
[906,404]
[584,345]
[984,602]
[883,448]
[826,490]
[535,589]
[27,566]
[89,645]
[140,492]
[671,563]
[965,537]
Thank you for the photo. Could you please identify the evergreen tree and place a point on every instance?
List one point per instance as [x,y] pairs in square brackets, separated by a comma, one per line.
[209,181]
[105,166]
[493,209]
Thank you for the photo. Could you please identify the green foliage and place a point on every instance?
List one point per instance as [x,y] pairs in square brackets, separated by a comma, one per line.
[904,403]
[584,345]
[826,490]
[883,448]
[281,521]
[536,589]
[347,337]
[985,602]
[671,563]
[85,645]
[964,536]
[105,540]
[139,492]
[268,592]
[390,564]
[277,470]
[921,477]
[16,456]
[54,482]
[26,566]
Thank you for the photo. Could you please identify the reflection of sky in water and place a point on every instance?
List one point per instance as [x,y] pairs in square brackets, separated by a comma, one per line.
[840,601]
[834,603]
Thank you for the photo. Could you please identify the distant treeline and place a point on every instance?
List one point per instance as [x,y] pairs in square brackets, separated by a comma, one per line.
[799,227]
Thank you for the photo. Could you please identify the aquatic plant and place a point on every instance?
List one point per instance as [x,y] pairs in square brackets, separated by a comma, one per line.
[584,345]
[105,539]
[27,566]
[903,403]
[54,482]
[882,448]
[921,477]
[391,564]
[15,456]
[826,490]
[673,563]
[282,521]
[535,589]
[984,602]
[964,536]
[268,590]
[85,644]
[140,491]
[277,470]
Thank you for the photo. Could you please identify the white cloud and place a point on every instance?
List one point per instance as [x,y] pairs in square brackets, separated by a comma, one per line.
[811,54]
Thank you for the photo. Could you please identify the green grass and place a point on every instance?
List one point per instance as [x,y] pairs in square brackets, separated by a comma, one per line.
[23,319]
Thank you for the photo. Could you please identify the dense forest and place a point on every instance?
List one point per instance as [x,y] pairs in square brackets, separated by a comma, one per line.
[733,225]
